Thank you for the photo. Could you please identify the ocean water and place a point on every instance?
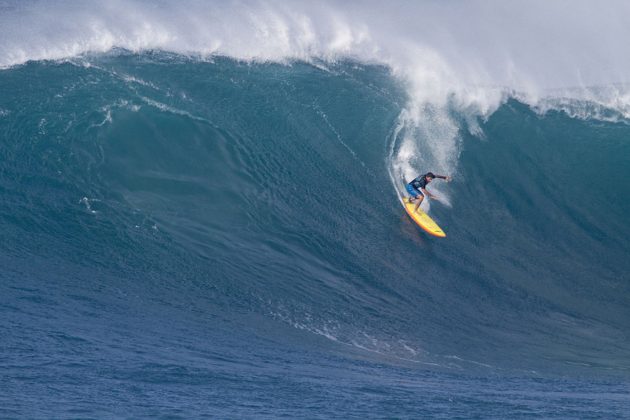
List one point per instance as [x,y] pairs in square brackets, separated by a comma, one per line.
[194,229]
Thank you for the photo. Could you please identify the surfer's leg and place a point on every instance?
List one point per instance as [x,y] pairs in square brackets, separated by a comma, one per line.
[412,193]
[420,199]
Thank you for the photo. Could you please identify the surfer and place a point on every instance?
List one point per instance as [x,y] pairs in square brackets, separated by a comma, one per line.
[417,188]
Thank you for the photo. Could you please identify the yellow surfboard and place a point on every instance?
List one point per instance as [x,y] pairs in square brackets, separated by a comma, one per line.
[423,220]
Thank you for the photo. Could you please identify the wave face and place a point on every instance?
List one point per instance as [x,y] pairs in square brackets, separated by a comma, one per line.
[163,215]
[196,222]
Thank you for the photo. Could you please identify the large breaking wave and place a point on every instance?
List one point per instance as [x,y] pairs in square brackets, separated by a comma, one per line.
[232,172]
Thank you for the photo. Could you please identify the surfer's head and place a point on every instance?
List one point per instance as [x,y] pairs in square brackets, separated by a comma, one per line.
[429,176]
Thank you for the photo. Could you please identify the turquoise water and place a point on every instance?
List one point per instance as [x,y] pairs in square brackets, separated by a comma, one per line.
[184,237]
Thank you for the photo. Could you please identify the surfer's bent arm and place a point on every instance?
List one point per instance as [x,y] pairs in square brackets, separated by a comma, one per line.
[427,193]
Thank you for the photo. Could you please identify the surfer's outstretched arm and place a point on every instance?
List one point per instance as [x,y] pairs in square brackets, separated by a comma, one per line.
[428,194]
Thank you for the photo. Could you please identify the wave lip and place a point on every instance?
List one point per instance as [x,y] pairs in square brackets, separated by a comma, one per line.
[447,45]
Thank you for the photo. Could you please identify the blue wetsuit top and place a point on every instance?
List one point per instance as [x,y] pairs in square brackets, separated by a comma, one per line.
[420,182]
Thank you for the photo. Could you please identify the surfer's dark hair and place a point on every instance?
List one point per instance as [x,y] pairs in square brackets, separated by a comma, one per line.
[429,175]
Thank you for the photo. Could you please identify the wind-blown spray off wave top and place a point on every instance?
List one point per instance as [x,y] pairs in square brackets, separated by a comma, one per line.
[200,208]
